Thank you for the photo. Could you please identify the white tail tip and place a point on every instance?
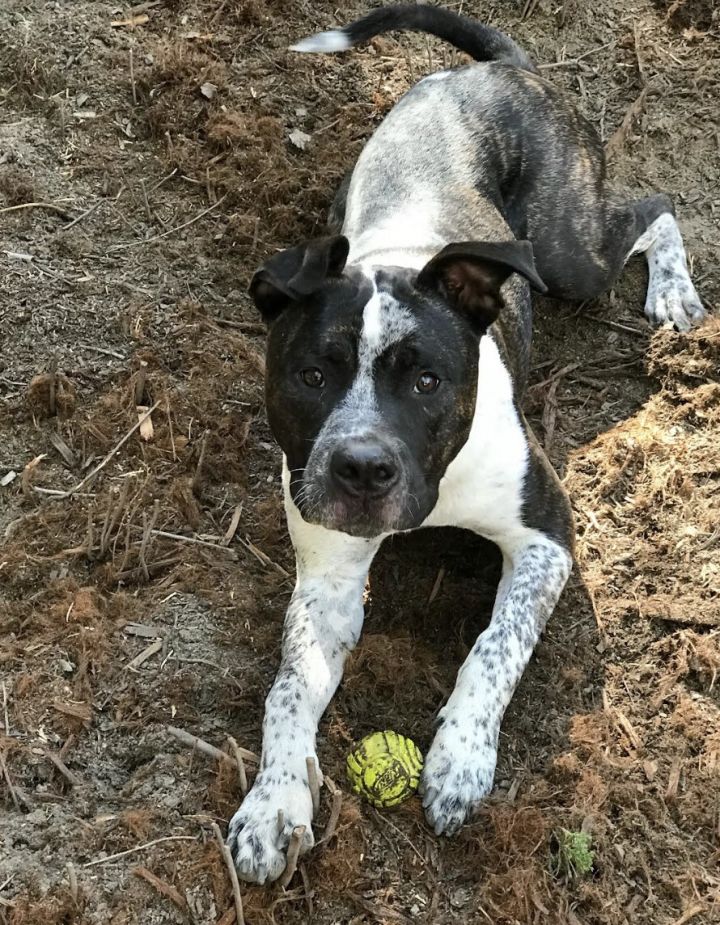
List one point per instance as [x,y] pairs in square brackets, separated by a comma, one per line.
[324,42]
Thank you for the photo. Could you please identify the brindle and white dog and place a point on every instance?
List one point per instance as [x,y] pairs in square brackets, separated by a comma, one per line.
[397,356]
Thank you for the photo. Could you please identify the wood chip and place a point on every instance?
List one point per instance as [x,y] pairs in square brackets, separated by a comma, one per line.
[79,711]
[147,431]
[63,768]
[131,22]
[27,475]
[232,529]
[627,728]
[674,780]
[62,448]
[72,881]
[141,629]
[165,889]
[300,139]
[146,653]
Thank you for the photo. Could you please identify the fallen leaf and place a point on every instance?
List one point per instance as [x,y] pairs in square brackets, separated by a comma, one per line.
[299,139]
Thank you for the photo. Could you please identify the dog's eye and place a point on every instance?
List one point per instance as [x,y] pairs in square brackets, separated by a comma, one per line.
[427,383]
[312,377]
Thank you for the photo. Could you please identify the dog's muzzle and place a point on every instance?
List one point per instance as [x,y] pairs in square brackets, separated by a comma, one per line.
[358,483]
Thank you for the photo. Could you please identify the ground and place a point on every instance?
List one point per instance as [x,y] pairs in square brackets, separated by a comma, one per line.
[149,159]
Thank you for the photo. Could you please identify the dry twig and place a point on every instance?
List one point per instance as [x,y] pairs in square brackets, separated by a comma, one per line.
[39,205]
[313,783]
[72,881]
[187,738]
[5,709]
[293,853]
[617,140]
[335,810]
[170,231]
[101,465]
[690,914]
[165,889]
[72,779]
[150,844]
[242,775]
[197,478]
[227,857]
[8,781]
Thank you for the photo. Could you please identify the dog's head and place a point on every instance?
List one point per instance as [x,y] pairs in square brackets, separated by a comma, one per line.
[372,373]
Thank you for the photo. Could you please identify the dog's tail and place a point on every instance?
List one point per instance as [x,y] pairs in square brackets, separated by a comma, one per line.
[483,43]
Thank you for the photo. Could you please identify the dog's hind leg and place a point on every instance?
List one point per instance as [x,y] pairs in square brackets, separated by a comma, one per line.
[671,295]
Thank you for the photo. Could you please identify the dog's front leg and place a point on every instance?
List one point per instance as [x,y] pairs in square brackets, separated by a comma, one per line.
[322,626]
[460,764]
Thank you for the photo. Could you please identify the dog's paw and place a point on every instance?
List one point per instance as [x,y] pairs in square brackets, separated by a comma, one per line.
[456,778]
[260,831]
[672,299]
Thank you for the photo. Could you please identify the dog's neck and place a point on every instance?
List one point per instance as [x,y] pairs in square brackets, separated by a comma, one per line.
[409,234]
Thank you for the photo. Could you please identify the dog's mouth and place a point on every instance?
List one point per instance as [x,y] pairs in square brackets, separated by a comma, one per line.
[360,515]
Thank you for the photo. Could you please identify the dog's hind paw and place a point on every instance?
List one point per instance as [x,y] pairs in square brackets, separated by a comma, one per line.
[672,299]
[260,831]
[456,778]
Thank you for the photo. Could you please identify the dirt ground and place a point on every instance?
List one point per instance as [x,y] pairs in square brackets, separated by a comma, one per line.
[149,159]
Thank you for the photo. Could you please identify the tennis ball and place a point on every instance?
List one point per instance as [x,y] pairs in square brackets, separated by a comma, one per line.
[385,768]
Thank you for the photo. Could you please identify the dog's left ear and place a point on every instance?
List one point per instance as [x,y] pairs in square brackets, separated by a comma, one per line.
[471,274]
[297,272]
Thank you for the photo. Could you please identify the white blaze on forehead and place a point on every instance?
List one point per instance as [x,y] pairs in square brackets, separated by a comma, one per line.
[385,322]
[372,321]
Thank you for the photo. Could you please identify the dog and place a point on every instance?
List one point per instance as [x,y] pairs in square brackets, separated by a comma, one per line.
[397,354]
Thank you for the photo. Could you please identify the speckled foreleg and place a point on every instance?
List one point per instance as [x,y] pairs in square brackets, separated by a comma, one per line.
[460,765]
[322,626]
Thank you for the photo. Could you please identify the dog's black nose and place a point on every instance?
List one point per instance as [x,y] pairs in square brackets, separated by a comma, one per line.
[364,467]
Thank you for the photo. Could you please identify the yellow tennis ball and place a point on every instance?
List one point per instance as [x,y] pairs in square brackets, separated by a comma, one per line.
[385,768]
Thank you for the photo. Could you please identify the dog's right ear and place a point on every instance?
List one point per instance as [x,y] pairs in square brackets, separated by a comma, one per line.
[297,272]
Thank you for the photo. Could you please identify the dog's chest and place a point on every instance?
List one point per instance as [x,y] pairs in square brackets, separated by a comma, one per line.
[482,488]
